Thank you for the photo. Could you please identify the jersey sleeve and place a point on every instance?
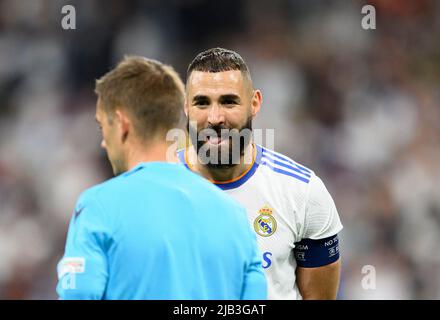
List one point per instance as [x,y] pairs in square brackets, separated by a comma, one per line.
[255,284]
[82,272]
[319,244]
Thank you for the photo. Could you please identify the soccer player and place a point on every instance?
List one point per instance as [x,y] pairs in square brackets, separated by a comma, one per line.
[157,230]
[288,206]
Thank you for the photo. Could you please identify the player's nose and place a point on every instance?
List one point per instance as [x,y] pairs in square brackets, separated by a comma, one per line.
[103,144]
[216,115]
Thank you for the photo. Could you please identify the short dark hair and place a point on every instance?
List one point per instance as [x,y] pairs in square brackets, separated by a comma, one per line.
[218,60]
[150,91]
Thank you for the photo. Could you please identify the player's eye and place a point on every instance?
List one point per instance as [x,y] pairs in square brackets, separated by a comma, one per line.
[201,103]
[230,102]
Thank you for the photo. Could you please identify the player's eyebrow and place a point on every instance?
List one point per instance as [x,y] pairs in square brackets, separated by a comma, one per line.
[230,97]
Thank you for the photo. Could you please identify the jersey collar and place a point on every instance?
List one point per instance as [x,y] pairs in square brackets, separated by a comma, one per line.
[236,182]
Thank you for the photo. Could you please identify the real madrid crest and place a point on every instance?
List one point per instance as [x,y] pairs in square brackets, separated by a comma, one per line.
[265,224]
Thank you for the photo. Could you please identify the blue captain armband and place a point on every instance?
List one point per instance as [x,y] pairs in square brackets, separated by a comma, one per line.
[311,253]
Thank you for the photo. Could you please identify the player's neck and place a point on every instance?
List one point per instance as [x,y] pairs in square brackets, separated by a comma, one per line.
[218,174]
[151,151]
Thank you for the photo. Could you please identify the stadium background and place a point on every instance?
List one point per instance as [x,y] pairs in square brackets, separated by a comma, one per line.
[359,107]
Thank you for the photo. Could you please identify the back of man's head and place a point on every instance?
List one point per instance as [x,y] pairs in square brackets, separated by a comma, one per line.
[150,92]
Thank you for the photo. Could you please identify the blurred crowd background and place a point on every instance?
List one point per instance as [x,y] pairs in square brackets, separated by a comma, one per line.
[360,107]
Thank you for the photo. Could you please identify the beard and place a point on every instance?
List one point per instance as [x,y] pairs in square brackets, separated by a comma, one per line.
[226,153]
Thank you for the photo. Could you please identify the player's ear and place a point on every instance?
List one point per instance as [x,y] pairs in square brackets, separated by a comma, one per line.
[123,124]
[257,100]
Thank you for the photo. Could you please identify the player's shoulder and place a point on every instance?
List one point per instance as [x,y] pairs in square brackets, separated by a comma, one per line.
[110,186]
[283,165]
[95,192]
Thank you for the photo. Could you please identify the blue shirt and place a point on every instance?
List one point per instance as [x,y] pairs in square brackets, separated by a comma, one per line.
[160,231]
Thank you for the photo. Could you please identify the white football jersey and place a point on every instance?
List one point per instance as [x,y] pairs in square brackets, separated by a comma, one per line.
[286,203]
